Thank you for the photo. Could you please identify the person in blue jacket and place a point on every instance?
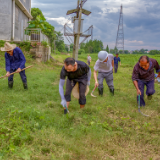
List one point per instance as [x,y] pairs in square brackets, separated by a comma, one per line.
[116,60]
[15,62]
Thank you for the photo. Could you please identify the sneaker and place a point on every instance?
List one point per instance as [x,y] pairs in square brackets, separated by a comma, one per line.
[149,97]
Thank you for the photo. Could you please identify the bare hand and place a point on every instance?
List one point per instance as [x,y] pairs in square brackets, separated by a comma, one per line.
[18,70]
[8,74]
[138,92]
[96,84]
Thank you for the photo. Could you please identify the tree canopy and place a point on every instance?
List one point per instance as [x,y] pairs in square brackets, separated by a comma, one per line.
[92,46]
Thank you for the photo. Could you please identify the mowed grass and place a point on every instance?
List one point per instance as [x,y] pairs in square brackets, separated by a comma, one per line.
[33,127]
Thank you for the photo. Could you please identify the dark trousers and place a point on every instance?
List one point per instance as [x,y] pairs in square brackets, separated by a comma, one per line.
[22,74]
[88,63]
[82,89]
[115,68]
[150,90]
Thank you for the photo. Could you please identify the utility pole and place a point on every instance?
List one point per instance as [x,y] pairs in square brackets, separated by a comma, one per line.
[78,34]
[120,34]
[75,36]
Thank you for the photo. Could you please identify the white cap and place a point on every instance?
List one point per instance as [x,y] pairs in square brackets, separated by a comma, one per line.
[102,55]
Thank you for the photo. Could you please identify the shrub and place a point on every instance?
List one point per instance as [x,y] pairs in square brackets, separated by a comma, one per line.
[81,51]
[44,43]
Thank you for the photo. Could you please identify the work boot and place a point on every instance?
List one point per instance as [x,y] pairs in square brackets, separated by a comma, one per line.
[65,111]
[149,97]
[112,91]
[10,84]
[25,86]
[100,91]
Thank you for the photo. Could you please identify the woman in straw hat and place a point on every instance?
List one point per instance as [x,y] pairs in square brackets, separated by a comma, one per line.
[76,71]
[15,61]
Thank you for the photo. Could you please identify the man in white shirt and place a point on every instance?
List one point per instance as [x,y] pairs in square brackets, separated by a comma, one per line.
[104,66]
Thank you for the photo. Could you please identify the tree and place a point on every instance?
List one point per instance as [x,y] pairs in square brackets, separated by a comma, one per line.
[71,46]
[60,42]
[39,21]
[154,52]
[107,49]
[37,12]
[115,50]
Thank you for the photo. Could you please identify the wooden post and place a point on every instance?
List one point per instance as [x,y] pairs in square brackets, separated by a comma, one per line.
[75,36]
[78,35]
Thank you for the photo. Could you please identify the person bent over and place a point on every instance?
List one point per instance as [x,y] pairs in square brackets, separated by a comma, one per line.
[15,62]
[75,71]
[143,75]
[104,66]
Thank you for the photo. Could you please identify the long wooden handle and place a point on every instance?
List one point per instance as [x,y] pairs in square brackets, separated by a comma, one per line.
[18,72]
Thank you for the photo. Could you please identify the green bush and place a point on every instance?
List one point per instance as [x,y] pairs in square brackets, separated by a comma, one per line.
[25,44]
[44,43]
[2,43]
[81,51]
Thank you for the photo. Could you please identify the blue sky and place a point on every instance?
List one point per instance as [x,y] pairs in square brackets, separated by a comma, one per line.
[141,20]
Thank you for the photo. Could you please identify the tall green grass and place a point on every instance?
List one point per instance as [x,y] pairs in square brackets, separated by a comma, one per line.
[33,127]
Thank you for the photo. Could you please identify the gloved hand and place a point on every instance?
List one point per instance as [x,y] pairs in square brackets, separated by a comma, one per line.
[63,103]
[88,83]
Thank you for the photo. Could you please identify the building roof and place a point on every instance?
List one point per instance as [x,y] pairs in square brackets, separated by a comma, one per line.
[23,8]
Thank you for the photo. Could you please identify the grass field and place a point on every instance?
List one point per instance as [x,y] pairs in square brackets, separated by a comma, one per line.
[33,127]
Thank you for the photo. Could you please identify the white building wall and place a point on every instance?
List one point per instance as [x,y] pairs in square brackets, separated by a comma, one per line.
[20,23]
[5,19]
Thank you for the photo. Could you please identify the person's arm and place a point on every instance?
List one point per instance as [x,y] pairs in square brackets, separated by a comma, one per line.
[135,77]
[7,63]
[137,88]
[157,67]
[112,64]
[22,58]
[61,91]
[89,76]
[95,78]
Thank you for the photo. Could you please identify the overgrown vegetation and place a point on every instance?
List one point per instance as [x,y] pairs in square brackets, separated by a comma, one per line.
[33,126]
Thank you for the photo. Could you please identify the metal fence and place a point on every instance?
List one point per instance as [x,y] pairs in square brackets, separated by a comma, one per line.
[35,35]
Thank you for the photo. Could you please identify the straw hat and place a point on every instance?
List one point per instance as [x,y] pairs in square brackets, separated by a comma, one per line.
[75,91]
[8,47]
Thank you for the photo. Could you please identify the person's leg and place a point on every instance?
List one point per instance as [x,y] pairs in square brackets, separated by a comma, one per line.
[24,79]
[150,89]
[10,79]
[82,97]
[109,81]
[100,81]
[69,87]
[141,88]
[115,68]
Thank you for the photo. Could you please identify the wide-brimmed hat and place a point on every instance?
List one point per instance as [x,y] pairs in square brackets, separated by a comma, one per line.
[75,91]
[8,47]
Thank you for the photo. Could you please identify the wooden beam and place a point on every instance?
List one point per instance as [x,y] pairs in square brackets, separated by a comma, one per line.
[72,11]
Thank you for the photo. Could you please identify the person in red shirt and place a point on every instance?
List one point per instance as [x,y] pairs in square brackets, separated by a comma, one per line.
[143,74]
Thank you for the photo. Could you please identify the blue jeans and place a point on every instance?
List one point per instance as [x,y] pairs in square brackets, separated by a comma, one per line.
[22,74]
[150,90]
